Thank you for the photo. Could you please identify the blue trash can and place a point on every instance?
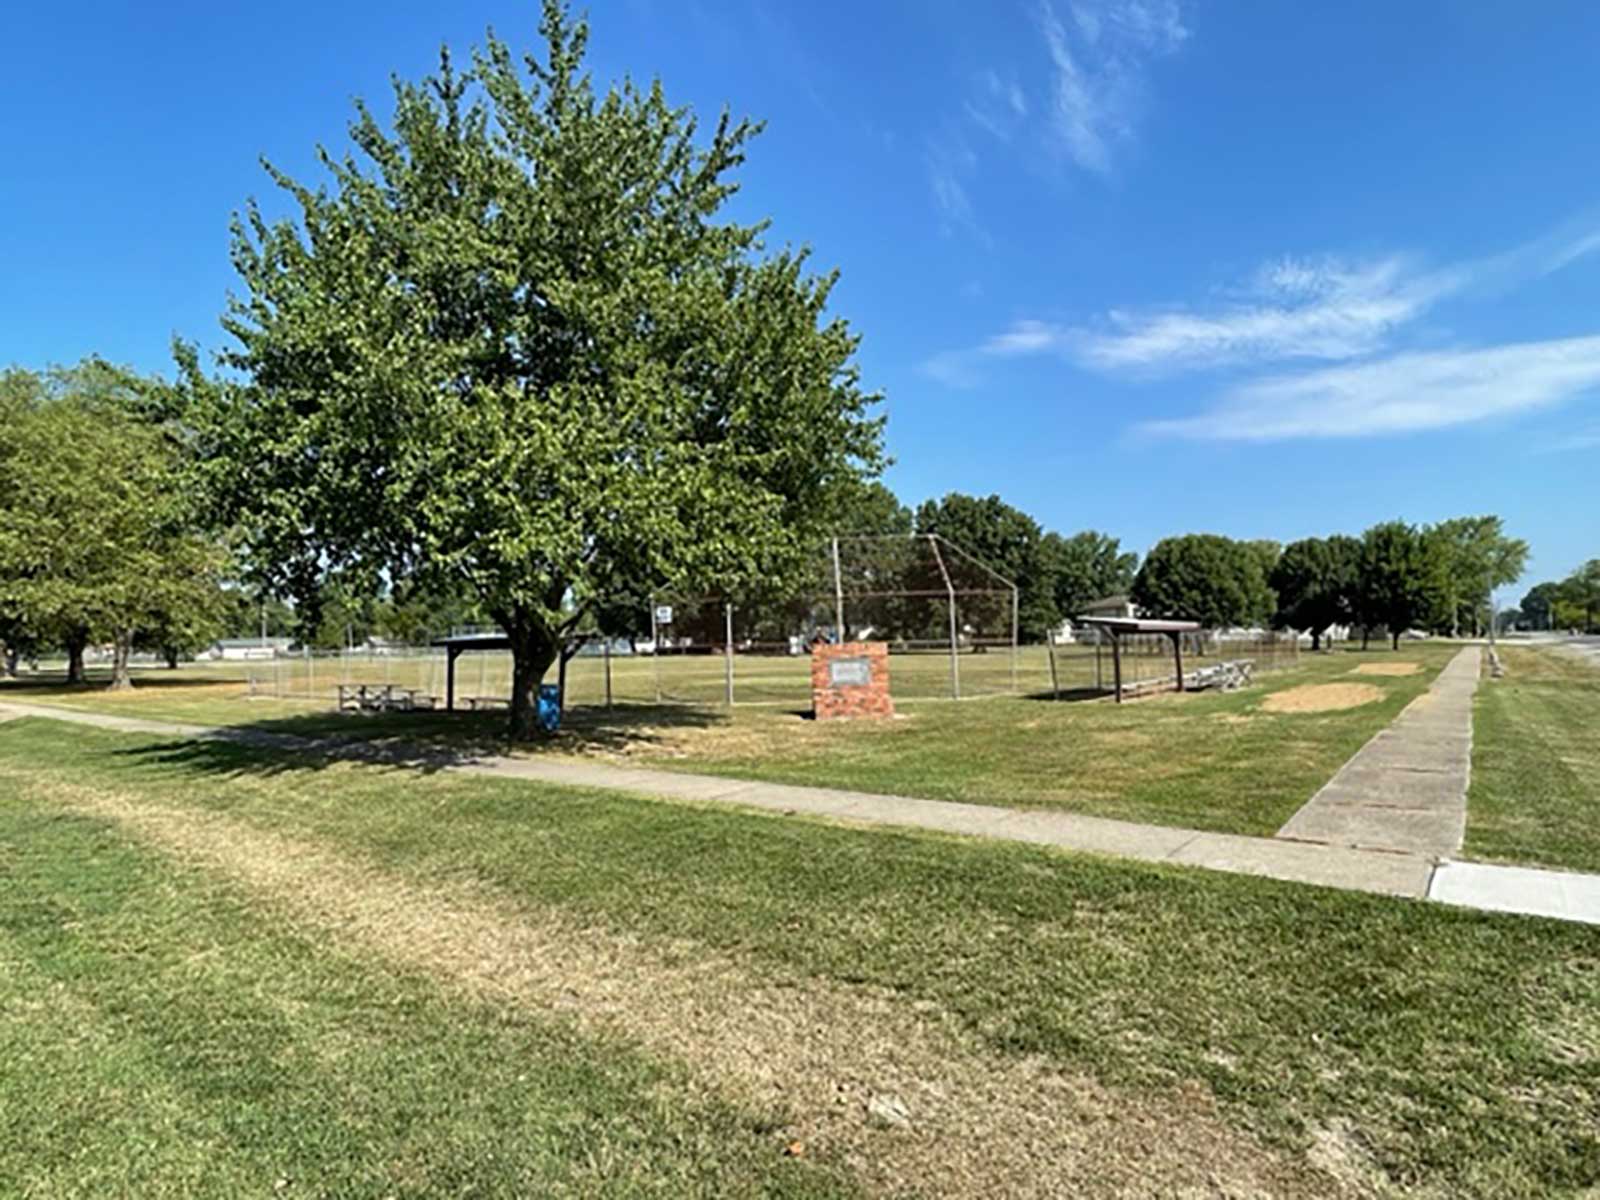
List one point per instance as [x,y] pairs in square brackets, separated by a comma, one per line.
[549,707]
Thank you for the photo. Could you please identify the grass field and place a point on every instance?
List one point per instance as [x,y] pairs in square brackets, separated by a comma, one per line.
[1535,794]
[1207,761]
[1216,761]
[227,972]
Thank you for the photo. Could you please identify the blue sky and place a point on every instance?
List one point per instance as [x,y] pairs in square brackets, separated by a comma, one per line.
[1148,266]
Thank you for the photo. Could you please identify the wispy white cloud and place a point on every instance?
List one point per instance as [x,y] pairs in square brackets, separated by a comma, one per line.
[1288,309]
[1405,393]
[1099,66]
[1092,91]
[950,163]
[1292,308]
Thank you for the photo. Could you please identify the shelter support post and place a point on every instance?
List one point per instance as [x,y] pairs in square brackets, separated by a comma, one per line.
[727,650]
[1177,656]
[1116,662]
[450,655]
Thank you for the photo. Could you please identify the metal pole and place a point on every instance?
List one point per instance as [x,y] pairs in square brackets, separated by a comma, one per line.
[727,649]
[955,653]
[1177,657]
[838,594]
[1015,616]
[1050,646]
[311,681]
[655,648]
[1116,661]
[608,671]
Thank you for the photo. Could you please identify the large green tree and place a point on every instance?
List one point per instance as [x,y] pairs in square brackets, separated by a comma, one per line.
[1085,567]
[97,535]
[1003,539]
[1204,577]
[1581,590]
[513,343]
[1314,580]
[1539,605]
[1402,579]
[1476,556]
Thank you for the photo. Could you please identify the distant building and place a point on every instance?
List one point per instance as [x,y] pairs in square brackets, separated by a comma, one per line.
[240,649]
[1106,606]
[1111,606]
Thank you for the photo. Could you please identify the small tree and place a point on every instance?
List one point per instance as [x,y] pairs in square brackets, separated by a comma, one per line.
[1206,578]
[512,346]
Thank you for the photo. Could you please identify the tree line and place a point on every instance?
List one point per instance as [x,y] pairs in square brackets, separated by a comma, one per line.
[1394,577]
[1570,603]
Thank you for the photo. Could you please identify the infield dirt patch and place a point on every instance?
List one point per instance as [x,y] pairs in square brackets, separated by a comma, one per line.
[1390,668]
[1321,697]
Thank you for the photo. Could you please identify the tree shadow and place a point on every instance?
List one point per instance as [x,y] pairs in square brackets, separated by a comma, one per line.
[1070,695]
[425,742]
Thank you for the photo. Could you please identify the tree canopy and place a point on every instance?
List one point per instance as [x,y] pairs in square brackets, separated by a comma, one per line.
[1207,578]
[1085,567]
[1315,581]
[512,344]
[97,535]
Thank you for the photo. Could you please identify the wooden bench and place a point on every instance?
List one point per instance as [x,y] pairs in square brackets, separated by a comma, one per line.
[485,703]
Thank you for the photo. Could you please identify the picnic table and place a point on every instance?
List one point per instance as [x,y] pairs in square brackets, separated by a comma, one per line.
[476,703]
[382,697]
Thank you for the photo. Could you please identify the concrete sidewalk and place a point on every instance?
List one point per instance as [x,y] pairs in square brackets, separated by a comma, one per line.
[1406,789]
[1385,872]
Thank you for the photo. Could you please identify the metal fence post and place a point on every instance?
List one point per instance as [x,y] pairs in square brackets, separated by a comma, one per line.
[955,649]
[1015,631]
[607,654]
[838,594]
[655,648]
[727,649]
[1050,648]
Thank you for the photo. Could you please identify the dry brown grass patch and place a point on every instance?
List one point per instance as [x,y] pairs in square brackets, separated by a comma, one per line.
[1321,697]
[828,1056]
[1387,668]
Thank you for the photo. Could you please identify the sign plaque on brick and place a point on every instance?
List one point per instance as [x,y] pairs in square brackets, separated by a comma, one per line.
[850,680]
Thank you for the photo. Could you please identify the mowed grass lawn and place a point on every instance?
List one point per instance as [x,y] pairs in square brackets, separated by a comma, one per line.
[226,972]
[1210,760]
[1213,761]
[1535,795]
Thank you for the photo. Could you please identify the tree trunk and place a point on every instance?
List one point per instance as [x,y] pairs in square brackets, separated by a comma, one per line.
[171,653]
[75,644]
[533,649]
[121,680]
[1316,640]
[8,662]
[1395,633]
[1366,637]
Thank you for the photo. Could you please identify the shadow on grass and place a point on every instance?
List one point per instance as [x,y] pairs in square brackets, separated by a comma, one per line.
[1069,695]
[426,741]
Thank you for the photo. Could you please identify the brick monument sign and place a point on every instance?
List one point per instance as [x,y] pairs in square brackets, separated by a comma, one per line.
[850,680]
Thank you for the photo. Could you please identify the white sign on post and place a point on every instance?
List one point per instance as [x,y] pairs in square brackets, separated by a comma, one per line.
[663,614]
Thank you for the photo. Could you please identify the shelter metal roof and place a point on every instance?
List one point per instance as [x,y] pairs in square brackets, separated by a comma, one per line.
[1139,625]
